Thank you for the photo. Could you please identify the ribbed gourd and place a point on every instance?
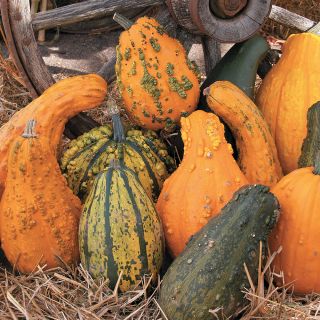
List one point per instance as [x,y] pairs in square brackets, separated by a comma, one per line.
[210,274]
[39,214]
[120,231]
[258,157]
[52,110]
[298,229]
[203,183]
[287,92]
[157,82]
[140,150]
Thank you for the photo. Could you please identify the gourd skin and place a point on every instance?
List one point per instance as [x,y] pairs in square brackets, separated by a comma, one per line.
[286,94]
[203,183]
[91,153]
[52,110]
[39,214]
[258,157]
[210,272]
[120,229]
[298,230]
[157,82]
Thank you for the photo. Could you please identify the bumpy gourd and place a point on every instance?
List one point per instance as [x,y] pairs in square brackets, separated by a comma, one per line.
[287,92]
[140,150]
[298,229]
[210,273]
[258,158]
[158,83]
[52,110]
[120,230]
[39,214]
[203,183]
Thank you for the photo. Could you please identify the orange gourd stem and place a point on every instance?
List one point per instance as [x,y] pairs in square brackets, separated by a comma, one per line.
[39,214]
[52,110]
[258,158]
[203,183]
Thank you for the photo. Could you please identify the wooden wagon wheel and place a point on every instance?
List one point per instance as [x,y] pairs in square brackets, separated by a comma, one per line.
[198,17]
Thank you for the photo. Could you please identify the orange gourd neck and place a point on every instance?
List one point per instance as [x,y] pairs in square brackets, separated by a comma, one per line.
[203,144]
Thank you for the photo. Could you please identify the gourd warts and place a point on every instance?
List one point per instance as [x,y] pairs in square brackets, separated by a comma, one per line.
[155,44]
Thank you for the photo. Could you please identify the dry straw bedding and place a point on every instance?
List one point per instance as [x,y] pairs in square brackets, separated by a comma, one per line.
[73,294]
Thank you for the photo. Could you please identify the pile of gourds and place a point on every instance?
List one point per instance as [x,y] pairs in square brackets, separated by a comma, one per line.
[212,212]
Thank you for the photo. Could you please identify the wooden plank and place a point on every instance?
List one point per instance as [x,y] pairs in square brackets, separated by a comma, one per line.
[290,19]
[26,44]
[84,11]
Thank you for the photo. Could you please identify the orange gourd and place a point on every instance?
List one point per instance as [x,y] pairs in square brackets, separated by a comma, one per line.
[258,158]
[204,182]
[158,83]
[39,214]
[52,110]
[297,230]
[287,92]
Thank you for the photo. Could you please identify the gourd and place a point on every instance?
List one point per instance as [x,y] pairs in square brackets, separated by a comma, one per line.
[239,66]
[39,214]
[157,82]
[52,110]
[258,158]
[298,228]
[209,274]
[286,94]
[140,150]
[311,143]
[120,230]
[203,183]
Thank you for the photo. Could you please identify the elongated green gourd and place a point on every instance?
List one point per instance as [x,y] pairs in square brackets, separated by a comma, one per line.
[140,150]
[239,66]
[209,273]
[120,230]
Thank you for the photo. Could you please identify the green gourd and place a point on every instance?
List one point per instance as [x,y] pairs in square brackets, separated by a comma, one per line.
[120,230]
[239,66]
[311,144]
[210,272]
[140,150]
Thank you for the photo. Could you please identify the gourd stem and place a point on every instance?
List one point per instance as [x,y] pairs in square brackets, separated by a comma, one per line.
[118,132]
[29,131]
[115,163]
[316,169]
[123,21]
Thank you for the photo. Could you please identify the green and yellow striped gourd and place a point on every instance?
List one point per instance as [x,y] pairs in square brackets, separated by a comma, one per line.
[140,150]
[120,230]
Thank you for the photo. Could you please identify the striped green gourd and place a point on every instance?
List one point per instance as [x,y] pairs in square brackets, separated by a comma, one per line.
[140,150]
[120,230]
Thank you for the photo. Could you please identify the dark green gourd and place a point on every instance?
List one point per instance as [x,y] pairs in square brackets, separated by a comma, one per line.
[239,66]
[210,272]
[311,144]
